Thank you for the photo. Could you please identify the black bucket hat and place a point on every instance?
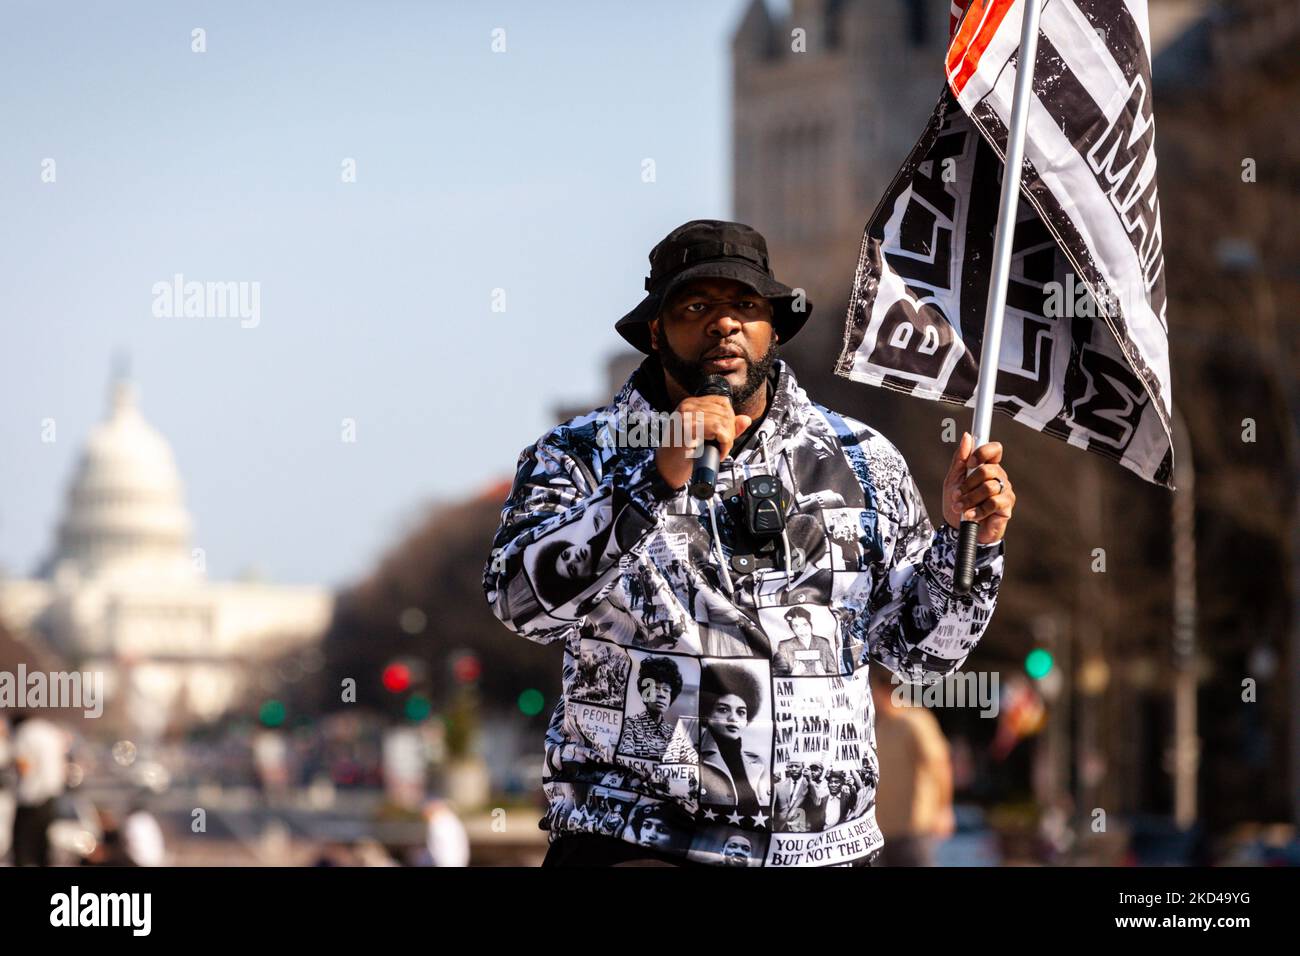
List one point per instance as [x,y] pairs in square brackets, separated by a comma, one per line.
[712,249]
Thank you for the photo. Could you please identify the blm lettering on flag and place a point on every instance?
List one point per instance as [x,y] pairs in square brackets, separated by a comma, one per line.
[1084,353]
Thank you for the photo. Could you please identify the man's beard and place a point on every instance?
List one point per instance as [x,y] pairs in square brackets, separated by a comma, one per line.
[691,375]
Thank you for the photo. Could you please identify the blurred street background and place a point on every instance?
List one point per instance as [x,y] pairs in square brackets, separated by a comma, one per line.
[269,539]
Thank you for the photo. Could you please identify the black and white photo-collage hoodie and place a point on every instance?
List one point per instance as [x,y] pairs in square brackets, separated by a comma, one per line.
[715,702]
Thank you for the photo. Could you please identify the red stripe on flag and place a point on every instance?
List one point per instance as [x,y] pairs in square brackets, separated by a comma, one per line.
[954,16]
[976,33]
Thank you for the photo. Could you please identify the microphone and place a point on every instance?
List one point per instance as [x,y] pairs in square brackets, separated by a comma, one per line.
[705,475]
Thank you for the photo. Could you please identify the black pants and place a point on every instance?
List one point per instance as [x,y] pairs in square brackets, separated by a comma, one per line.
[589,849]
[31,834]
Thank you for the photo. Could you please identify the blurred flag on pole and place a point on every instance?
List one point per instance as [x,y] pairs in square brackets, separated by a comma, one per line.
[1022,714]
[1084,352]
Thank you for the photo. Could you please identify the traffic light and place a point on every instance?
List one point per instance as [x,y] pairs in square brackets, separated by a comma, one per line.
[397,677]
[1039,663]
[271,713]
[465,667]
[418,707]
[531,702]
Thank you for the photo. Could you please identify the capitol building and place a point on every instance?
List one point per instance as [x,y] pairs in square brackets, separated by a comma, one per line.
[123,592]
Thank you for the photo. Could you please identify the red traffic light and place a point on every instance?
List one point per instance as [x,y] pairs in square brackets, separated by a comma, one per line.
[466,668]
[397,678]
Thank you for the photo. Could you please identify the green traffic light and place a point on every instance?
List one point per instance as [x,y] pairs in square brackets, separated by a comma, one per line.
[1038,663]
[272,713]
[418,707]
[531,702]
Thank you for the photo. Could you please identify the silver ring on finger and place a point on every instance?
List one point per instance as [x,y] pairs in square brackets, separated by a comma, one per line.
[1002,485]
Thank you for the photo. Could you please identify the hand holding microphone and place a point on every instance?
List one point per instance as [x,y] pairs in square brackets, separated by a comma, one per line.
[708,418]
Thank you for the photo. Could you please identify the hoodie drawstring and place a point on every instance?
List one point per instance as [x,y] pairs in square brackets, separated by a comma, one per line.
[717,540]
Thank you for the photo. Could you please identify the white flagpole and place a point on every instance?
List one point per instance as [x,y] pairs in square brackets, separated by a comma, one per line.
[983,419]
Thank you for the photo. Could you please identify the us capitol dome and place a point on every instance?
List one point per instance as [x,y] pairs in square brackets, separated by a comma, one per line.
[125,591]
[125,516]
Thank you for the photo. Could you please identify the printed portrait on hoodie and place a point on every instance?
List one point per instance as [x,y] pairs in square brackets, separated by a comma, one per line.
[730,847]
[658,825]
[735,741]
[660,706]
[562,571]
[805,640]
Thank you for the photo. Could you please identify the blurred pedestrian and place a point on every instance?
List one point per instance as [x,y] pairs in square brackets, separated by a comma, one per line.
[40,751]
[445,835]
[914,800]
[143,837]
[8,786]
[270,757]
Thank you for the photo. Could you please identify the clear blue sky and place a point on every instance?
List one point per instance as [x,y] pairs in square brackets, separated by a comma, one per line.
[475,171]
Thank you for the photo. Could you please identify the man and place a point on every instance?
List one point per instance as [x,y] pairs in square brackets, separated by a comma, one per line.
[816,792]
[864,782]
[736,851]
[714,307]
[845,539]
[788,794]
[806,652]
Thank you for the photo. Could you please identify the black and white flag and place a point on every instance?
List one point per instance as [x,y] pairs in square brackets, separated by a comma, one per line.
[1084,352]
